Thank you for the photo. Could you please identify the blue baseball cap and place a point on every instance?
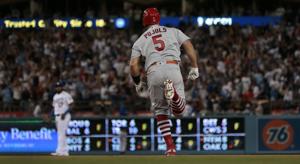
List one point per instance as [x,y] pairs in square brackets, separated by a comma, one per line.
[59,84]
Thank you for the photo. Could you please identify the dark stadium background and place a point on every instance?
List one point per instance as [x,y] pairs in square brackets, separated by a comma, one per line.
[249,75]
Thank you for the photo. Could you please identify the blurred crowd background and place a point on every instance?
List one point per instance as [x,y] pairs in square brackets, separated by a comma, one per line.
[243,70]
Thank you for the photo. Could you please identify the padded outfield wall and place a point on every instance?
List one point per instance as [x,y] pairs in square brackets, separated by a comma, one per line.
[195,135]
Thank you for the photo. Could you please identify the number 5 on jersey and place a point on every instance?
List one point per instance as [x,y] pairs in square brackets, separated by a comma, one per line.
[159,44]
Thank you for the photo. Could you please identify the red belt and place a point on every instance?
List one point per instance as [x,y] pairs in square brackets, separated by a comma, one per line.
[166,62]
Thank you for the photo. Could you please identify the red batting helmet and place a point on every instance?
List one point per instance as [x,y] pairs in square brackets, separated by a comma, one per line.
[151,16]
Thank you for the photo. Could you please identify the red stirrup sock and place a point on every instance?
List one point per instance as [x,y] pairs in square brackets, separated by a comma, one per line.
[177,104]
[164,126]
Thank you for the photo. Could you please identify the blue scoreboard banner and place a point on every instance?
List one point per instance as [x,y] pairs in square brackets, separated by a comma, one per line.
[278,135]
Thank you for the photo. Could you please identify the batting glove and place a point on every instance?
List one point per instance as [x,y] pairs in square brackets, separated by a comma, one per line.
[193,74]
[141,87]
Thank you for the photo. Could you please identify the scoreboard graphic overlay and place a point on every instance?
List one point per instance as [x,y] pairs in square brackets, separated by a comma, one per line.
[133,134]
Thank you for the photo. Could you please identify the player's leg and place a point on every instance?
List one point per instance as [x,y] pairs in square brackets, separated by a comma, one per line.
[59,135]
[177,102]
[164,125]
[159,106]
[57,146]
[64,126]
[174,90]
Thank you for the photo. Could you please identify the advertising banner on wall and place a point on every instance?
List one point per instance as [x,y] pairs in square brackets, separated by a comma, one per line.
[278,135]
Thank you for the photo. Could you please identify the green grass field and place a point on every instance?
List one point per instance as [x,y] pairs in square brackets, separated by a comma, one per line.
[181,159]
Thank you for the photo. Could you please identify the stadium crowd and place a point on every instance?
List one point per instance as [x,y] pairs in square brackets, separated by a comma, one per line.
[243,70]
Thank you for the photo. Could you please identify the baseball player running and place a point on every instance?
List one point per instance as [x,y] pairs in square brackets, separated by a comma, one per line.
[161,47]
[61,103]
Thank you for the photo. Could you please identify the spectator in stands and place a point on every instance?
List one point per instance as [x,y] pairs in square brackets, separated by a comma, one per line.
[7,97]
[241,67]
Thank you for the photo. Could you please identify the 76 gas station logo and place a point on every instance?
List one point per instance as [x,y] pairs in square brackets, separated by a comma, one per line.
[278,135]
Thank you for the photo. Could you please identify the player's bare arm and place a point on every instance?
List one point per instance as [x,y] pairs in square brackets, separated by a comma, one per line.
[191,53]
[140,86]
[135,69]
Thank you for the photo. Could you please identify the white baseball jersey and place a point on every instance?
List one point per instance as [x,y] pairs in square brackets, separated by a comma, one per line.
[159,43]
[61,102]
